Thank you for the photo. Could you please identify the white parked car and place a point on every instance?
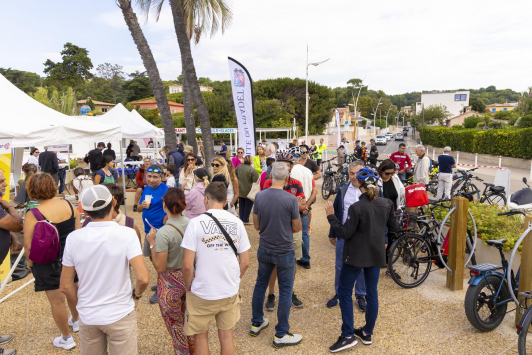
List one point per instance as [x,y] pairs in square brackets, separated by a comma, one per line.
[380,140]
[389,136]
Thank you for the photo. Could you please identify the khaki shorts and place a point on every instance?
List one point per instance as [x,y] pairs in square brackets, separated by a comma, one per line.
[298,244]
[200,312]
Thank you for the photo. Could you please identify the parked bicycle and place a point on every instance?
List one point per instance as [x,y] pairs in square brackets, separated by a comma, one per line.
[488,293]
[412,255]
[332,180]
[491,195]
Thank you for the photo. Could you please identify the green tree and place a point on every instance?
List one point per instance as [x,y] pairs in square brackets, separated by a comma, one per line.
[363,122]
[139,87]
[72,71]
[113,75]
[525,121]
[473,121]
[433,114]
[24,80]
[64,102]
[381,123]
[90,104]
[477,105]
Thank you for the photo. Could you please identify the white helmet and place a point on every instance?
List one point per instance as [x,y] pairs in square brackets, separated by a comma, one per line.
[295,151]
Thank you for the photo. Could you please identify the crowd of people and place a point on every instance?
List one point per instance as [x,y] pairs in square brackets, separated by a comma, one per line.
[198,242]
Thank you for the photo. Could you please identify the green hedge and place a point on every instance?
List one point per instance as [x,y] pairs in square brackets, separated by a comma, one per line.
[510,142]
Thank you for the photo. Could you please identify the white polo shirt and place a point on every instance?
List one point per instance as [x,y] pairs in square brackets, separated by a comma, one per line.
[100,253]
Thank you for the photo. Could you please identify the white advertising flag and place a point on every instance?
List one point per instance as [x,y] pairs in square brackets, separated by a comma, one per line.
[338,125]
[243,98]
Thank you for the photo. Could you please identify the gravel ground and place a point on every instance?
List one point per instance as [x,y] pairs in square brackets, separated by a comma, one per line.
[429,319]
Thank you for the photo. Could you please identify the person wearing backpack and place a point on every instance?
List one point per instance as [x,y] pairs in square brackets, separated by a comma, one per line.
[46,229]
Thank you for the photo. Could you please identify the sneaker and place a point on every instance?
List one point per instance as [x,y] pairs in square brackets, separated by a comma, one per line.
[333,302]
[7,351]
[154,298]
[396,274]
[74,325]
[270,302]
[5,339]
[362,305]
[256,328]
[304,264]
[365,339]
[68,344]
[288,340]
[296,302]
[154,288]
[134,208]
[343,343]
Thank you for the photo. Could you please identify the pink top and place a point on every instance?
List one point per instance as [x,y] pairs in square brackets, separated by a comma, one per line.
[262,180]
[194,200]
[236,161]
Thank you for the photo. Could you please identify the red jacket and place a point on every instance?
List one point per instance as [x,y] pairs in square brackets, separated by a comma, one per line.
[140,176]
[403,160]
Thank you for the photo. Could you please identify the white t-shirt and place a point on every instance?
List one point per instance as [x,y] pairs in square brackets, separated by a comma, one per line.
[170,181]
[34,160]
[217,269]
[100,253]
[82,182]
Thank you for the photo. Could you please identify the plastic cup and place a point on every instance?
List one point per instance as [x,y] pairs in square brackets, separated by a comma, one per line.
[147,198]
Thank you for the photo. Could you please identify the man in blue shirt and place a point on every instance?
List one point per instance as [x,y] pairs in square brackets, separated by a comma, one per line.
[223,151]
[346,196]
[445,177]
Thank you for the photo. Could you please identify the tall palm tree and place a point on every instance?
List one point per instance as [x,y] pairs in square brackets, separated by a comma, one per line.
[151,67]
[192,19]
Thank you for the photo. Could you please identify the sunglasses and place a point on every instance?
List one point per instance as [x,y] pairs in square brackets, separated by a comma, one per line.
[215,165]
[191,159]
[240,152]
[152,170]
[35,152]
[388,174]
[304,152]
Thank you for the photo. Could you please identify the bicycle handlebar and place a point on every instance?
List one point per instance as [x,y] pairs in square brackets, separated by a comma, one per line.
[511,213]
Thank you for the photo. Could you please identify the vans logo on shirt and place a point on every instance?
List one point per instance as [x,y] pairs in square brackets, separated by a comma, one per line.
[216,237]
[210,227]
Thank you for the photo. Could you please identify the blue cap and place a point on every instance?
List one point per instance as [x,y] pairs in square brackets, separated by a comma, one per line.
[101,144]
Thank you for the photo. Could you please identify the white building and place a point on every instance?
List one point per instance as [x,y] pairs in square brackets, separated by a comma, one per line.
[174,88]
[455,101]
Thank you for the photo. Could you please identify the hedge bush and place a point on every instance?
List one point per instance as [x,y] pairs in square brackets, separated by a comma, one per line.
[509,142]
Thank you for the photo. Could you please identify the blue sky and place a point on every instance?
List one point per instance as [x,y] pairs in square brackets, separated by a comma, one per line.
[399,46]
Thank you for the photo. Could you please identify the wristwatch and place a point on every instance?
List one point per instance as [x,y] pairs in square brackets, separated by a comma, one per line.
[135,297]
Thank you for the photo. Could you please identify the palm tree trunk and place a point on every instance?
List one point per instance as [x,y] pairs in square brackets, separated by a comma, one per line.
[192,80]
[151,67]
[190,122]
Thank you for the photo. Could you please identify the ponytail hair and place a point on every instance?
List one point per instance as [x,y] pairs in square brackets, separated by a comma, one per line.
[371,190]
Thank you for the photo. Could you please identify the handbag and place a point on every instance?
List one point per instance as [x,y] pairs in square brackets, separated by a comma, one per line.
[224,232]
[255,189]
[416,195]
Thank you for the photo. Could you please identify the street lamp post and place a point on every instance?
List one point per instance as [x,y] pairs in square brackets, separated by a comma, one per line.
[356,104]
[306,94]
[375,117]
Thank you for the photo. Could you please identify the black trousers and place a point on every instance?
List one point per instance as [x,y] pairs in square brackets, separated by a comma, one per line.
[244,208]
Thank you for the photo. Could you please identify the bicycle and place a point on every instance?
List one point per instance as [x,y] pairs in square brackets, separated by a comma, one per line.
[491,195]
[487,296]
[332,180]
[412,255]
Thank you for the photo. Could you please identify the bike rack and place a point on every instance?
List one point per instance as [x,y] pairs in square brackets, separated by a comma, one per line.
[474,238]
[509,271]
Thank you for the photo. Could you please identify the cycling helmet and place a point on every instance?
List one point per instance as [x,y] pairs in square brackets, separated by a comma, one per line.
[369,175]
[280,150]
[282,156]
[295,151]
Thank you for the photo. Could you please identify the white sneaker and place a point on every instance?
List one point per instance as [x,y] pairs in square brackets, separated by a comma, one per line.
[74,325]
[59,342]
[288,340]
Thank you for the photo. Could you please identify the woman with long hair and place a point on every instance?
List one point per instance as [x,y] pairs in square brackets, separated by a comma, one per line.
[22,195]
[392,187]
[259,160]
[34,158]
[42,187]
[105,175]
[110,151]
[186,175]
[239,158]
[233,190]
[247,175]
[196,196]
[220,172]
[364,250]
[167,257]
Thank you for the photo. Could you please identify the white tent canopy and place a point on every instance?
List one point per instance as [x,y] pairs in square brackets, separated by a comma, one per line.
[132,123]
[29,123]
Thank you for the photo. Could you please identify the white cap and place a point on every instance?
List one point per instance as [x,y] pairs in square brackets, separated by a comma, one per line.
[89,196]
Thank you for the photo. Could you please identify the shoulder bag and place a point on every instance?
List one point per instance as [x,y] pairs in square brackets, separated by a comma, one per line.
[224,232]
[255,189]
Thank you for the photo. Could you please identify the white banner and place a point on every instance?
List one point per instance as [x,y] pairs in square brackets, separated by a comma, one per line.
[243,98]
[338,125]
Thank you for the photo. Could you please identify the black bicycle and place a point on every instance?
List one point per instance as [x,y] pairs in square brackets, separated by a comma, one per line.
[332,180]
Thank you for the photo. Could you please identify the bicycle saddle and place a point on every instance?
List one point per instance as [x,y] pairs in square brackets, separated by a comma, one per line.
[497,243]
[488,184]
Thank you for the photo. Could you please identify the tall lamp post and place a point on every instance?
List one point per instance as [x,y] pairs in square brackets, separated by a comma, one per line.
[374,114]
[356,103]
[306,94]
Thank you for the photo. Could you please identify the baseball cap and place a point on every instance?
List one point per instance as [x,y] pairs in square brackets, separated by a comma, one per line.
[101,144]
[91,195]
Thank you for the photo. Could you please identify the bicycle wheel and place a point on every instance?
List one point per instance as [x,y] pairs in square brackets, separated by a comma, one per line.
[326,187]
[432,187]
[499,200]
[472,188]
[479,303]
[469,248]
[410,260]
[524,346]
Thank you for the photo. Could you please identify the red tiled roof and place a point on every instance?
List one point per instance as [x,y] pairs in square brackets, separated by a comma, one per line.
[152,101]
